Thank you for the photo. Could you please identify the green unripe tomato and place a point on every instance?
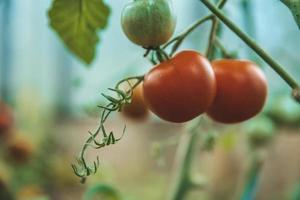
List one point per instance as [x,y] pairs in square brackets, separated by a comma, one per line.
[148,23]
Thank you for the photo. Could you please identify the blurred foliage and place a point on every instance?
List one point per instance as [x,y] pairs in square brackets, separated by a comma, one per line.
[228,139]
[284,111]
[101,191]
[259,130]
[208,140]
[294,6]
[295,193]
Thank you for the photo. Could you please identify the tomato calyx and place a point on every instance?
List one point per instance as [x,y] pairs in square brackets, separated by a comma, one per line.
[158,55]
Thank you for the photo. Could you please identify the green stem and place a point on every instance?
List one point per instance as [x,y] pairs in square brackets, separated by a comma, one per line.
[179,39]
[223,50]
[252,44]
[213,32]
[221,3]
[183,163]
[250,187]
[212,37]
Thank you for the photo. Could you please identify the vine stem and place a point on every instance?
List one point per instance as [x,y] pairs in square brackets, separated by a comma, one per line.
[183,162]
[180,38]
[223,50]
[213,32]
[212,37]
[253,45]
[250,188]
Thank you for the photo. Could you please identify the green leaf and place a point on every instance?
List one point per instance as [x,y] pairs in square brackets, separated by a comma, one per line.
[294,6]
[77,23]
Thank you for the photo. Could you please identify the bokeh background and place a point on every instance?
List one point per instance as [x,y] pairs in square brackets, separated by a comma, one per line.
[54,98]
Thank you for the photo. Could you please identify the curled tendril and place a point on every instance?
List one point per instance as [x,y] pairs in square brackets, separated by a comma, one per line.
[116,103]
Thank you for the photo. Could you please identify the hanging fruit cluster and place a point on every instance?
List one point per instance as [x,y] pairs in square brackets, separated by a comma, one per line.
[184,86]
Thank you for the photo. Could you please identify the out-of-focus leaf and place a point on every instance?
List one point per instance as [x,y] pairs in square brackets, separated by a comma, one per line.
[77,23]
[284,110]
[102,191]
[260,130]
[294,6]
[228,140]
[295,193]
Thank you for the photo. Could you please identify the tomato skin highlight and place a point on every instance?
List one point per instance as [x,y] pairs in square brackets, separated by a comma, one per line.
[241,91]
[181,88]
[137,109]
[148,23]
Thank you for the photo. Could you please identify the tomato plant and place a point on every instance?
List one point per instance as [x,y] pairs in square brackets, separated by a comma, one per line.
[137,108]
[148,23]
[176,89]
[241,91]
[180,89]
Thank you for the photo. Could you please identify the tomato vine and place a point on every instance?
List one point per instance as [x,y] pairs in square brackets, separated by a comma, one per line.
[254,46]
[160,54]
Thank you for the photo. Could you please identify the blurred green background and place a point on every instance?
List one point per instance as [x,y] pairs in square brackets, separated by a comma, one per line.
[53,98]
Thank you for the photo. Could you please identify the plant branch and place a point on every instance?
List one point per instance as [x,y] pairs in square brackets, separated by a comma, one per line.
[253,45]
[213,32]
[223,50]
[212,36]
[183,163]
[251,184]
[179,39]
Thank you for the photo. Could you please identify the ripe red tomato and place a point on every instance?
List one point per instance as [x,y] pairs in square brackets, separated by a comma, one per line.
[241,91]
[6,120]
[137,109]
[180,89]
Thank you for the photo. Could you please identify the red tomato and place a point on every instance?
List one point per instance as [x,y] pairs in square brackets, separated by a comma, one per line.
[6,120]
[181,88]
[137,109]
[241,91]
